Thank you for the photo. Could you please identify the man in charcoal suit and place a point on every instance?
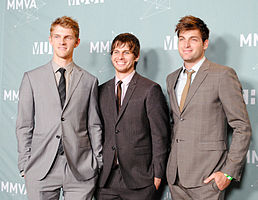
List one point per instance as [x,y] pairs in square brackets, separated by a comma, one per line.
[136,127]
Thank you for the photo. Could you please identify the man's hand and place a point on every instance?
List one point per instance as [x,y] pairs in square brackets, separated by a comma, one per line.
[220,179]
[157,182]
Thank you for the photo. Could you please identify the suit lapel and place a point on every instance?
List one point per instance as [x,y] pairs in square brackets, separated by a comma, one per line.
[128,95]
[173,92]
[76,76]
[199,78]
[111,93]
[51,82]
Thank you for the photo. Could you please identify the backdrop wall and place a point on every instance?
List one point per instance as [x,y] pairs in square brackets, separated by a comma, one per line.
[24,31]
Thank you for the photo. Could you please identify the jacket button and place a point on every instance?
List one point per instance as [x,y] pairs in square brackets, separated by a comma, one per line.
[58,136]
[62,119]
[113,148]
[181,119]
[117,131]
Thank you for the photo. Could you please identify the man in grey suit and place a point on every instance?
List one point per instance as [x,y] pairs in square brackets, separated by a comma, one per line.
[206,99]
[58,126]
[135,125]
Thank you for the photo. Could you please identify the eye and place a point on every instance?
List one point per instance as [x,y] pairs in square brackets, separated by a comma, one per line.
[127,52]
[194,39]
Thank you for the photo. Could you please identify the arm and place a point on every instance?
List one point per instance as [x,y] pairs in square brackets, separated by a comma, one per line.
[158,116]
[94,124]
[25,122]
[230,94]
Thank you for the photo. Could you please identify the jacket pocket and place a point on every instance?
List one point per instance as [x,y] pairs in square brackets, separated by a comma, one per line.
[84,142]
[213,146]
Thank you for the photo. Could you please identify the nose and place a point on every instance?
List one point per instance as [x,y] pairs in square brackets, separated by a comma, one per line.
[187,43]
[121,56]
[62,40]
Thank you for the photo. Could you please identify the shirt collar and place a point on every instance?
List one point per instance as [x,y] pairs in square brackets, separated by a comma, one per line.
[127,79]
[197,66]
[68,68]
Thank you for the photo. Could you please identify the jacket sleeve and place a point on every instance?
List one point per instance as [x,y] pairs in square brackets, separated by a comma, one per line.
[94,124]
[230,94]
[158,116]
[25,122]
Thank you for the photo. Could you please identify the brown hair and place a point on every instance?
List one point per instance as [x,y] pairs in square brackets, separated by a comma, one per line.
[66,22]
[192,23]
[130,40]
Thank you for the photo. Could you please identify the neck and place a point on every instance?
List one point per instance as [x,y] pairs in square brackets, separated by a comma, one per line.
[121,76]
[62,62]
[189,65]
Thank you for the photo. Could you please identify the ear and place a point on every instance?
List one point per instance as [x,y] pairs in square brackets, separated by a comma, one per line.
[77,43]
[136,59]
[205,44]
[50,39]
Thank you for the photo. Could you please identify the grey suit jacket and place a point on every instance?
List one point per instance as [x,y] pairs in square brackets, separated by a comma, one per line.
[41,121]
[199,136]
[138,133]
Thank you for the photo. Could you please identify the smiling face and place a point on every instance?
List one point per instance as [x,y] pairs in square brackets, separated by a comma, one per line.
[123,60]
[63,41]
[191,47]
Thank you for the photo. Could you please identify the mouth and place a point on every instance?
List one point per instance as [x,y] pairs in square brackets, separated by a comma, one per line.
[187,51]
[120,63]
[62,48]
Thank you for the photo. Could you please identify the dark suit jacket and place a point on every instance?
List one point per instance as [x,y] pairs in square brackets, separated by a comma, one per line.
[199,144]
[139,132]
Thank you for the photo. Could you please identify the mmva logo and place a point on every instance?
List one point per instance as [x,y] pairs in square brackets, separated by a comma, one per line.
[252,157]
[249,96]
[40,48]
[170,43]
[21,4]
[85,2]
[100,46]
[11,95]
[250,40]
[13,188]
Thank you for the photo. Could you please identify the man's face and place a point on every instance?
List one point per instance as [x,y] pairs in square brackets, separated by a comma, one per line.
[191,47]
[123,59]
[63,41]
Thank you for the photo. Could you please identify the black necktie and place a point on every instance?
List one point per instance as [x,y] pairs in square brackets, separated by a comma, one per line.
[118,103]
[62,86]
[62,94]
[118,95]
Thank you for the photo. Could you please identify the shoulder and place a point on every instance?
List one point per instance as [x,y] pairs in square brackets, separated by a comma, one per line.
[87,74]
[144,82]
[173,75]
[218,68]
[39,69]
[106,85]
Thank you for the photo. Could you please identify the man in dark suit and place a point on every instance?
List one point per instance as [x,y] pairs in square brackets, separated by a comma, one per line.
[205,99]
[58,126]
[136,126]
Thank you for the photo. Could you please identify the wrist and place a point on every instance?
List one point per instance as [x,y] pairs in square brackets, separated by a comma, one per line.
[228,177]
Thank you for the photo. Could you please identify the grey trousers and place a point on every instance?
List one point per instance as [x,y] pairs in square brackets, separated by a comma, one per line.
[59,177]
[206,192]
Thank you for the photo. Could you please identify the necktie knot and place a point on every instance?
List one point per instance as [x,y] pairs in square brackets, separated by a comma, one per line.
[62,71]
[189,73]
